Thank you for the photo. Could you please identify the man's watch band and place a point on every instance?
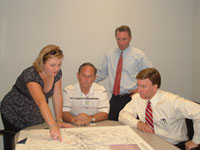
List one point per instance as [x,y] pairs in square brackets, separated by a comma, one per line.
[93,119]
[59,120]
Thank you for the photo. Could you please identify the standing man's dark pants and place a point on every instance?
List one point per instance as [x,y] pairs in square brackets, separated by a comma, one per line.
[117,103]
[8,138]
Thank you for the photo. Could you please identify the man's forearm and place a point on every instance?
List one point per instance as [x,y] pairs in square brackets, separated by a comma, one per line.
[100,116]
[68,117]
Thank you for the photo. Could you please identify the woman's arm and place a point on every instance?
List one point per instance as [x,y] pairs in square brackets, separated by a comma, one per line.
[36,92]
[58,100]
[58,103]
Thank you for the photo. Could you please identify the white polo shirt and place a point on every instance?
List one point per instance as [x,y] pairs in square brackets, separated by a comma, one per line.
[76,102]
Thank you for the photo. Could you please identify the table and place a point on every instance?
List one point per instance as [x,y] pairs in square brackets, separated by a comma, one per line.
[154,141]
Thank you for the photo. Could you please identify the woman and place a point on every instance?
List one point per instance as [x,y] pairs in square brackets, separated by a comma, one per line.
[27,102]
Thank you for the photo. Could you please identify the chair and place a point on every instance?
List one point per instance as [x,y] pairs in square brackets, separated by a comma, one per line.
[190,129]
[3,132]
[7,132]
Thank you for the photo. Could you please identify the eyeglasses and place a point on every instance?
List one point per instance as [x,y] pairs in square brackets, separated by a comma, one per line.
[53,52]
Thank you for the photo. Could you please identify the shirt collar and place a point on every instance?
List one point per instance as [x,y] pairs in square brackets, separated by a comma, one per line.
[90,93]
[155,98]
[125,50]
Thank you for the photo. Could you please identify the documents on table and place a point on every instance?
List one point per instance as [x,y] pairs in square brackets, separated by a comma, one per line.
[84,138]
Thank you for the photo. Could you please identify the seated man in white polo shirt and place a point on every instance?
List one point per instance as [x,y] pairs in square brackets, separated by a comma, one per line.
[85,101]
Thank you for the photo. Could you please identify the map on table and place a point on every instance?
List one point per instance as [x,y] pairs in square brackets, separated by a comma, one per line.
[84,138]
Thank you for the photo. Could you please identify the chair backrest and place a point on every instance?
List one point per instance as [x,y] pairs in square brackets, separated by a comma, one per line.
[190,129]
[3,132]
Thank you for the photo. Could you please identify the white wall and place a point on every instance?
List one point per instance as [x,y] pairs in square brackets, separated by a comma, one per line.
[85,31]
[196,53]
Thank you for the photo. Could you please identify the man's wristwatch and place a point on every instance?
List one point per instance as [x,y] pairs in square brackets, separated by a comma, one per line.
[59,120]
[93,119]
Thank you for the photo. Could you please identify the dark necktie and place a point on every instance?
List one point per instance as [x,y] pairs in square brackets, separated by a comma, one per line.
[149,115]
[116,88]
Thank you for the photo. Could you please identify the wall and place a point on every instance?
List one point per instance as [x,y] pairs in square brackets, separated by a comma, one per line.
[196,53]
[85,32]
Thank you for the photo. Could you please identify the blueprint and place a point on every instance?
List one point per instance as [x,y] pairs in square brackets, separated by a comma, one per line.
[92,138]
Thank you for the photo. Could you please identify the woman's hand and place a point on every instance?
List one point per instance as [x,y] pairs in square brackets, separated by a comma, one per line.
[55,132]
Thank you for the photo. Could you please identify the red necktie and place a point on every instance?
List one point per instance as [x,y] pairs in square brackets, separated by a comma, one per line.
[116,88]
[149,115]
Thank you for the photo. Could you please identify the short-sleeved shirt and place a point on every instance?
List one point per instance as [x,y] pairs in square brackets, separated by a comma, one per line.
[76,102]
[18,106]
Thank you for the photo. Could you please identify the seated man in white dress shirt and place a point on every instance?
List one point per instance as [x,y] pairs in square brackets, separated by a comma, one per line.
[85,101]
[169,111]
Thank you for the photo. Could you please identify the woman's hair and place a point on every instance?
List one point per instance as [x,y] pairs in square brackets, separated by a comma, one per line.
[50,51]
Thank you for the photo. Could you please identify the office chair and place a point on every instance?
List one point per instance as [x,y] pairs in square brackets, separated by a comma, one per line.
[3,132]
[190,129]
[6,132]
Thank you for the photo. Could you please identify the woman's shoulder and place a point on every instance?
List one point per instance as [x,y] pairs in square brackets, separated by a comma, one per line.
[30,69]
[30,74]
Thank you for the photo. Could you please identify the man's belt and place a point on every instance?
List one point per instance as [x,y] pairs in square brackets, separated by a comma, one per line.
[124,95]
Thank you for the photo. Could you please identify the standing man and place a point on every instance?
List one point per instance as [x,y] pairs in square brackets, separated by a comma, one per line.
[121,66]
[85,101]
[160,112]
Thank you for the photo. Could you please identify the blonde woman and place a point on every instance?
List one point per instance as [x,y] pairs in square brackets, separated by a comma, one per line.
[27,102]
